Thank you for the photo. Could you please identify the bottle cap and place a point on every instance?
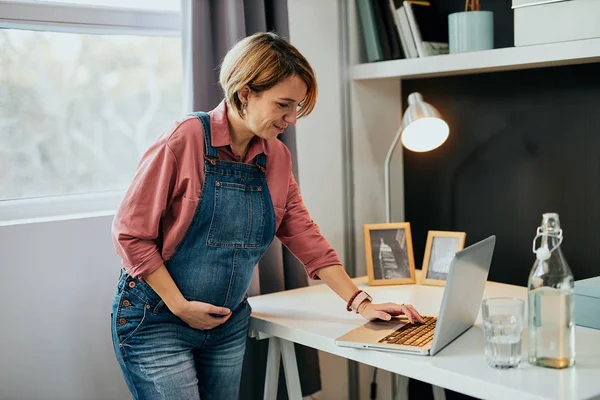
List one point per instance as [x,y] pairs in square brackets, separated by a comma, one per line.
[550,222]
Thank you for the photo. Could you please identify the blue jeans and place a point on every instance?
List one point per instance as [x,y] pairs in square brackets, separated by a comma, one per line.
[161,357]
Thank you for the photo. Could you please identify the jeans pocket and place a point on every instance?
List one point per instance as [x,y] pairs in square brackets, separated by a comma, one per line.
[131,315]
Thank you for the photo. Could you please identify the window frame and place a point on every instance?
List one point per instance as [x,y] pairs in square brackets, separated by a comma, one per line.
[63,17]
[83,19]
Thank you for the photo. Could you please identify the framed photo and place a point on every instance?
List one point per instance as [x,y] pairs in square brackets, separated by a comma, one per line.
[389,252]
[440,249]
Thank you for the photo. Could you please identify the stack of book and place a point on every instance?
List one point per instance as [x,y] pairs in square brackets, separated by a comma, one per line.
[395,29]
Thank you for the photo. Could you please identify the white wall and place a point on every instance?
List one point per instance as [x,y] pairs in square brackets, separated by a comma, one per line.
[314,26]
[315,31]
[57,281]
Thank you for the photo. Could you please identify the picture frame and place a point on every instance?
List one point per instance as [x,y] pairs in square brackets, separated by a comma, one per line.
[440,249]
[389,254]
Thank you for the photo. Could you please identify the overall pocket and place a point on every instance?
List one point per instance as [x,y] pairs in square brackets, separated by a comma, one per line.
[137,302]
[130,316]
[238,218]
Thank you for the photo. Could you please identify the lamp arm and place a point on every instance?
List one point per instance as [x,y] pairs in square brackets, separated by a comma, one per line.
[386,174]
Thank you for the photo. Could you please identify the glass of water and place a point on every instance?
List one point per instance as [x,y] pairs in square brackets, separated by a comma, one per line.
[503,327]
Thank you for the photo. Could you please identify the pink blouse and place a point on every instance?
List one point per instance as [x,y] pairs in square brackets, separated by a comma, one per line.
[164,194]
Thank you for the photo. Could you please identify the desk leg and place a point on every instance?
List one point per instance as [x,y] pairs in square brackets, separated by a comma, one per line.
[290,367]
[279,348]
[272,375]
[438,393]
[400,387]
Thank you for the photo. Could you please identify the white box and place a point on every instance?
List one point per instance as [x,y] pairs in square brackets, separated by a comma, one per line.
[551,21]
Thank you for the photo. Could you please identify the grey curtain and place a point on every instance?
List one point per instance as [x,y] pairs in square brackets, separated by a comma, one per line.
[210,28]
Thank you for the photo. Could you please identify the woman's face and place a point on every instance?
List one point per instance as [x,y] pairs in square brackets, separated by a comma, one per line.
[271,111]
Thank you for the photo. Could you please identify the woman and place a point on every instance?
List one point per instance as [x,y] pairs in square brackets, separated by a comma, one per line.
[207,200]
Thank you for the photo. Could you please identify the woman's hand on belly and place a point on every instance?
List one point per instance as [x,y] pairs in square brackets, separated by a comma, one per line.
[194,313]
[199,315]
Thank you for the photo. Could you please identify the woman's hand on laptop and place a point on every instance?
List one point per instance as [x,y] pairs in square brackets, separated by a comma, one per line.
[386,311]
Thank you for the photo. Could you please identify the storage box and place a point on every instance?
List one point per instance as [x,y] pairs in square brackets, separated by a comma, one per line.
[551,21]
[587,302]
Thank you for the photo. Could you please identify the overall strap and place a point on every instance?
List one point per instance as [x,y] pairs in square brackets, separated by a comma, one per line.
[210,153]
[261,161]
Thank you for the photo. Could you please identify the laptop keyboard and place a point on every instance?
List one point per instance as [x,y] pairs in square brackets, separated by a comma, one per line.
[418,335]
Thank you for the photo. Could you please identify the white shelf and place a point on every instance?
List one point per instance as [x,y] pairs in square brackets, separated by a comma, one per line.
[511,58]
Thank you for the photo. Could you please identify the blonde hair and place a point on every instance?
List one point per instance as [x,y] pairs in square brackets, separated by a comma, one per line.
[261,61]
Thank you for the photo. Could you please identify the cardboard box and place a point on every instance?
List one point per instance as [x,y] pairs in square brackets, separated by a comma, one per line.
[551,21]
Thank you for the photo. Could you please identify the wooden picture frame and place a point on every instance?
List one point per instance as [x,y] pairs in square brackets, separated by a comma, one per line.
[389,254]
[441,247]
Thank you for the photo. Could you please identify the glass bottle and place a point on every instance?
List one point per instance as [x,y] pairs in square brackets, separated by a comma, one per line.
[551,317]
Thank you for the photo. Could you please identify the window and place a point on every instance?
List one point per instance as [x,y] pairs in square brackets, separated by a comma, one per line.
[84,90]
[165,5]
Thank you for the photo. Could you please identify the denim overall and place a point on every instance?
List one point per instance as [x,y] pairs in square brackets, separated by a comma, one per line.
[160,355]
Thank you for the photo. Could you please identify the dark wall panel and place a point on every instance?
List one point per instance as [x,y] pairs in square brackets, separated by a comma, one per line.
[521,143]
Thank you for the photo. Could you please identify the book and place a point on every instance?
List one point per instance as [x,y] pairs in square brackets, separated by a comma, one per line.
[368,26]
[386,46]
[398,29]
[392,34]
[405,33]
[435,48]
[429,29]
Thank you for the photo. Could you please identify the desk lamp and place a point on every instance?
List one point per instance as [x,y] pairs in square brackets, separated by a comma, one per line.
[422,129]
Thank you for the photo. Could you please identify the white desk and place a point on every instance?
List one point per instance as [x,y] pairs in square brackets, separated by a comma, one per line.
[314,316]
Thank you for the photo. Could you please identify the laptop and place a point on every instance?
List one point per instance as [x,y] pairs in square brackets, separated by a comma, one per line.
[462,297]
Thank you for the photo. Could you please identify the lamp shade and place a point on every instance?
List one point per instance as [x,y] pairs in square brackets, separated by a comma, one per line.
[424,128]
